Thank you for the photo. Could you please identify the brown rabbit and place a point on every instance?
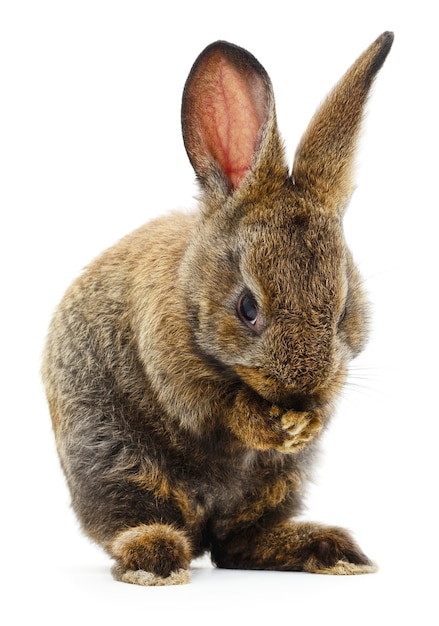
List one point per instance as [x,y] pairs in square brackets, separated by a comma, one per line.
[193,366]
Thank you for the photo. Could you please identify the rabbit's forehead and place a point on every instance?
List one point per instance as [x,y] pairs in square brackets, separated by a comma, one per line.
[301,255]
[314,241]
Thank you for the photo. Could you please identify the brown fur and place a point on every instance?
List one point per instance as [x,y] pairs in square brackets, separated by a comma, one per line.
[157,548]
[181,427]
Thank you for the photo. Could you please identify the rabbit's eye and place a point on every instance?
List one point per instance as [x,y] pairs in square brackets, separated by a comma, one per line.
[248,310]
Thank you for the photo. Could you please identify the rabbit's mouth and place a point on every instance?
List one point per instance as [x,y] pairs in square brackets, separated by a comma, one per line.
[289,396]
[272,391]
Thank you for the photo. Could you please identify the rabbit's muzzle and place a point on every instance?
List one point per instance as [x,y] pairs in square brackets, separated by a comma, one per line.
[301,402]
[299,395]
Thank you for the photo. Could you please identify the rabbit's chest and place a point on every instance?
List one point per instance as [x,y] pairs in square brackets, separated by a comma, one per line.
[239,492]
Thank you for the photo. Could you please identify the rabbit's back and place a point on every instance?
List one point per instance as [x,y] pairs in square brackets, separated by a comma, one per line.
[102,404]
[91,343]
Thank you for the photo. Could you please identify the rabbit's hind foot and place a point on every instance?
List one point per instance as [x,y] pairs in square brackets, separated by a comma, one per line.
[149,579]
[343,568]
[152,555]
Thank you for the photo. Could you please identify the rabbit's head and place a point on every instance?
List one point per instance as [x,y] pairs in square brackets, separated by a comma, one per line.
[273,295]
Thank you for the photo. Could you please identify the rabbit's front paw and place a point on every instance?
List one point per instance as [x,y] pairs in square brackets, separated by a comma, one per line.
[263,426]
[299,428]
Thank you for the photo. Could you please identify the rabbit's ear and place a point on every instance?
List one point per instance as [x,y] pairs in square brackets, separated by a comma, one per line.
[228,118]
[325,156]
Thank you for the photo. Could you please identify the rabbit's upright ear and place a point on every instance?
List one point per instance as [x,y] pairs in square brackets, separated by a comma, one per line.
[325,156]
[228,119]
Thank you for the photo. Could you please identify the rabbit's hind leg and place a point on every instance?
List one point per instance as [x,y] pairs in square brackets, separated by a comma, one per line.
[293,546]
[151,554]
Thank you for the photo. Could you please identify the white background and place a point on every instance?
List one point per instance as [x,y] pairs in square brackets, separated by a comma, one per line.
[90,148]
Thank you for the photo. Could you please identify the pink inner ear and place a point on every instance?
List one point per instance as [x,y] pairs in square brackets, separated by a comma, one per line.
[231,115]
